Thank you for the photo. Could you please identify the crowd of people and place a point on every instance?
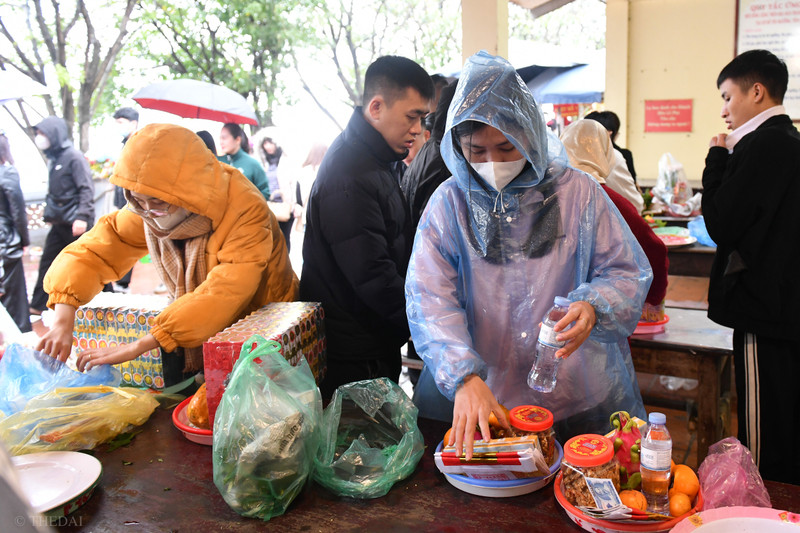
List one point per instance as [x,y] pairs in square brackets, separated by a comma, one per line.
[450,216]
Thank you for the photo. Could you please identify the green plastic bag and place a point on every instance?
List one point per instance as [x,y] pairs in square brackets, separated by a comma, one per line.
[266,431]
[370,439]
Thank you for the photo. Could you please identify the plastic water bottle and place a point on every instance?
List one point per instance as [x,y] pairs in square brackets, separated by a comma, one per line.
[656,462]
[544,372]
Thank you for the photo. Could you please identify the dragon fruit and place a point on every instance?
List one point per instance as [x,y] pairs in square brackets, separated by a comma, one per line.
[627,446]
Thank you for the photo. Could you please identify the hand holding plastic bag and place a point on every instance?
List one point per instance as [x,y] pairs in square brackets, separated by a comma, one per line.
[25,373]
[75,418]
[729,477]
[370,439]
[266,431]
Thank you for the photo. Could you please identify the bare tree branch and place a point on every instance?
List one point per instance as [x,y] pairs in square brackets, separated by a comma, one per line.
[311,93]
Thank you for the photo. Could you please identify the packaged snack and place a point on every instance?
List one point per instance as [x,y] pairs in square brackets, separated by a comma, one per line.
[535,420]
[587,456]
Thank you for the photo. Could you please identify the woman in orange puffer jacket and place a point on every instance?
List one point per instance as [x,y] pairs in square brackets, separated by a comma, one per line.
[209,232]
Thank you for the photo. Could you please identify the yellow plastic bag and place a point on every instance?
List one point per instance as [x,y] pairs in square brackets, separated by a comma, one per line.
[75,418]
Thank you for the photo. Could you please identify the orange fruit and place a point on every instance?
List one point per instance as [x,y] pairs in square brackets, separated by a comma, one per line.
[493,421]
[685,481]
[672,469]
[447,436]
[679,504]
[633,499]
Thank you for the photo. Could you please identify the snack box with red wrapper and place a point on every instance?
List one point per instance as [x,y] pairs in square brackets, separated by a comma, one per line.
[508,458]
[297,326]
[113,318]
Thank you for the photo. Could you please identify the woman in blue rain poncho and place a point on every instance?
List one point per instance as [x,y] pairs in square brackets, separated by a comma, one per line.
[487,265]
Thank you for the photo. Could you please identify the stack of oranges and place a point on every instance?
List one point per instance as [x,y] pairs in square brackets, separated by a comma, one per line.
[685,487]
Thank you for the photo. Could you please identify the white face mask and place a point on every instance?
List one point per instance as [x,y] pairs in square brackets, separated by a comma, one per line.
[41,142]
[498,175]
[171,220]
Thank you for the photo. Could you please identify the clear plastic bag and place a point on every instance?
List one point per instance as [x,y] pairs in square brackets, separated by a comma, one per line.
[25,373]
[673,188]
[370,441]
[266,431]
[729,477]
[75,418]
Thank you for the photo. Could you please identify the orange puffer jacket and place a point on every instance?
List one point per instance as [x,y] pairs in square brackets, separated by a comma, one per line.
[246,256]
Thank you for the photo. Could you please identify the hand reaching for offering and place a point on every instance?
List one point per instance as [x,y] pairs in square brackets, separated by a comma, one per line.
[113,355]
[583,318]
[473,404]
[57,342]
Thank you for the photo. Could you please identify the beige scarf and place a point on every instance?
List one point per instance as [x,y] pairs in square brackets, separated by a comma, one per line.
[179,256]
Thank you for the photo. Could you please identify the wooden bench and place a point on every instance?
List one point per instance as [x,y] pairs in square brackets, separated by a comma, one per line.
[692,346]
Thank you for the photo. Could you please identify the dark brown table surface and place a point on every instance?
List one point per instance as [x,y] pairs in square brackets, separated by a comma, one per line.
[168,487]
[694,260]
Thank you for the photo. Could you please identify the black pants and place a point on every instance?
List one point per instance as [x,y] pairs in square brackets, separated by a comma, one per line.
[286,229]
[768,405]
[15,297]
[59,236]
[340,371]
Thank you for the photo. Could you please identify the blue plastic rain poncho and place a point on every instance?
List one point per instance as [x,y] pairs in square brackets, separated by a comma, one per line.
[486,266]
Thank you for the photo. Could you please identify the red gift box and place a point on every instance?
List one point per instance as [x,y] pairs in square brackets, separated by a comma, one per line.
[297,326]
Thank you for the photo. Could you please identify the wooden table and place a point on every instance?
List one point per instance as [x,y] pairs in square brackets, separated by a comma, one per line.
[163,482]
[692,346]
[694,260]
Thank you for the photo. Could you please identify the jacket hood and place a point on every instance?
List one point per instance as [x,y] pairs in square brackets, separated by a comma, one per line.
[55,129]
[490,91]
[173,164]
[589,148]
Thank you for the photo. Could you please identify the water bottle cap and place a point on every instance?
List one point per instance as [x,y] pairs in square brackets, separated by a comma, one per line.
[657,418]
[561,301]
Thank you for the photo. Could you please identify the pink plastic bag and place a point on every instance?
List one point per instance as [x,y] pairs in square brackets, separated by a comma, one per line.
[729,477]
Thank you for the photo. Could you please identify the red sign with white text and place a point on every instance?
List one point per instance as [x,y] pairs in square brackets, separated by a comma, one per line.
[567,110]
[667,115]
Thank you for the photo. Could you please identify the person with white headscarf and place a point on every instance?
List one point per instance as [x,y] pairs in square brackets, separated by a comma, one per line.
[590,149]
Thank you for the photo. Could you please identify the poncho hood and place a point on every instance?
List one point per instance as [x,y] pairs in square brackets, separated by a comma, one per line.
[490,91]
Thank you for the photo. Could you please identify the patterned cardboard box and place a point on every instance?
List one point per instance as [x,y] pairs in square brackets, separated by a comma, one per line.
[111,319]
[298,326]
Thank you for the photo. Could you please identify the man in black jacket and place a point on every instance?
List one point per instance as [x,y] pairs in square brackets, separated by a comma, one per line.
[427,171]
[358,237]
[70,197]
[751,192]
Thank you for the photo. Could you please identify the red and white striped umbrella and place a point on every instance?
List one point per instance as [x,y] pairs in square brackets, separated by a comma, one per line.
[197,99]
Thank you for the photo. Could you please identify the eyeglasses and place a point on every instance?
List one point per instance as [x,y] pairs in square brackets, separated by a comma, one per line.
[155,207]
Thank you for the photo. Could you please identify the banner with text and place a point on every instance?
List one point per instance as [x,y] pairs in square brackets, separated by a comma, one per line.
[773,25]
[667,115]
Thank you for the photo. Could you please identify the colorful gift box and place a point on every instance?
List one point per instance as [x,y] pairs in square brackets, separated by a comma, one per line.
[111,319]
[297,326]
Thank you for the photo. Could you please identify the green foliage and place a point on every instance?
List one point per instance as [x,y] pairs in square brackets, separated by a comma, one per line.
[242,44]
[348,38]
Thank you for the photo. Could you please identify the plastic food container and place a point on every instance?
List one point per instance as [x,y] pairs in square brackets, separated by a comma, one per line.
[191,432]
[532,419]
[587,455]
[649,328]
